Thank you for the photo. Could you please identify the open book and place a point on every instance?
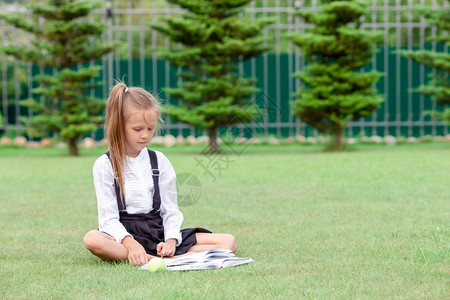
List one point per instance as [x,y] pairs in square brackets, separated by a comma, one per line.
[210,259]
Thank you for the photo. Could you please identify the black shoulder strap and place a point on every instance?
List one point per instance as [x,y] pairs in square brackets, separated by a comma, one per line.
[120,204]
[155,175]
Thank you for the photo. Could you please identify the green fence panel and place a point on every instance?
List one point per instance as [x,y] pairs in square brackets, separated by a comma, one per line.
[402,114]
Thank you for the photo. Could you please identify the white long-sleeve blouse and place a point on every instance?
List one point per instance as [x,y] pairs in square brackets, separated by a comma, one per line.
[138,192]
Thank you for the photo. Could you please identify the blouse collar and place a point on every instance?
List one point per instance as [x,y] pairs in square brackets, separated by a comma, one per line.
[141,156]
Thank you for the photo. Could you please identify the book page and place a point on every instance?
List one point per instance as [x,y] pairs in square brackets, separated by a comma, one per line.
[213,264]
[234,261]
[199,257]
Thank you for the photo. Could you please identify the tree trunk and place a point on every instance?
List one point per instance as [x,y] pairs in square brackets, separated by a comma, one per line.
[213,140]
[337,141]
[73,147]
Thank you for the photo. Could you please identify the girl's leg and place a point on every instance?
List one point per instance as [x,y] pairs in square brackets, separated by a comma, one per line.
[104,246]
[207,241]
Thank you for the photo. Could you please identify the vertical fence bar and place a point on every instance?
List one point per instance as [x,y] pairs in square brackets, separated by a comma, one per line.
[253,65]
[15,74]
[107,61]
[446,7]
[299,64]
[277,67]
[433,48]
[130,44]
[154,48]
[17,94]
[154,56]
[29,77]
[142,50]
[410,46]
[4,125]
[91,64]
[291,118]
[374,23]
[116,30]
[398,45]
[167,65]
[422,72]
[179,83]
[5,92]
[241,75]
[386,67]
[266,78]
[30,85]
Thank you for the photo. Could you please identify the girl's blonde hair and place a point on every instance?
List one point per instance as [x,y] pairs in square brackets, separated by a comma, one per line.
[120,101]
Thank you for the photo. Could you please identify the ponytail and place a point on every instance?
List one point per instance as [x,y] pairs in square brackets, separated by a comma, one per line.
[114,125]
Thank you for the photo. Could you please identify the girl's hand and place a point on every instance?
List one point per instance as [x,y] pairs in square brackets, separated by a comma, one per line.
[166,249]
[136,253]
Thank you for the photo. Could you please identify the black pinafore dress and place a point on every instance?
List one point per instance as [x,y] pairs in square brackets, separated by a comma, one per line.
[148,228]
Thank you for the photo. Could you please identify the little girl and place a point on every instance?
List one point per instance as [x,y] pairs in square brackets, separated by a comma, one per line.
[138,216]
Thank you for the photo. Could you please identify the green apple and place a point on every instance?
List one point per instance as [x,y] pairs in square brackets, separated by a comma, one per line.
[156,264]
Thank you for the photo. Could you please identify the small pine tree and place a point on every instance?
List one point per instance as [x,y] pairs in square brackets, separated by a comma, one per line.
[336,49]
[61,39]
[213,38]
[438,88]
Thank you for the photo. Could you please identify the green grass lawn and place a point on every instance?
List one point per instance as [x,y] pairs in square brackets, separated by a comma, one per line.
[371,223]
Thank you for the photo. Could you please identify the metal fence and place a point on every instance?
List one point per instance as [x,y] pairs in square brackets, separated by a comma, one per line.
[136,61]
